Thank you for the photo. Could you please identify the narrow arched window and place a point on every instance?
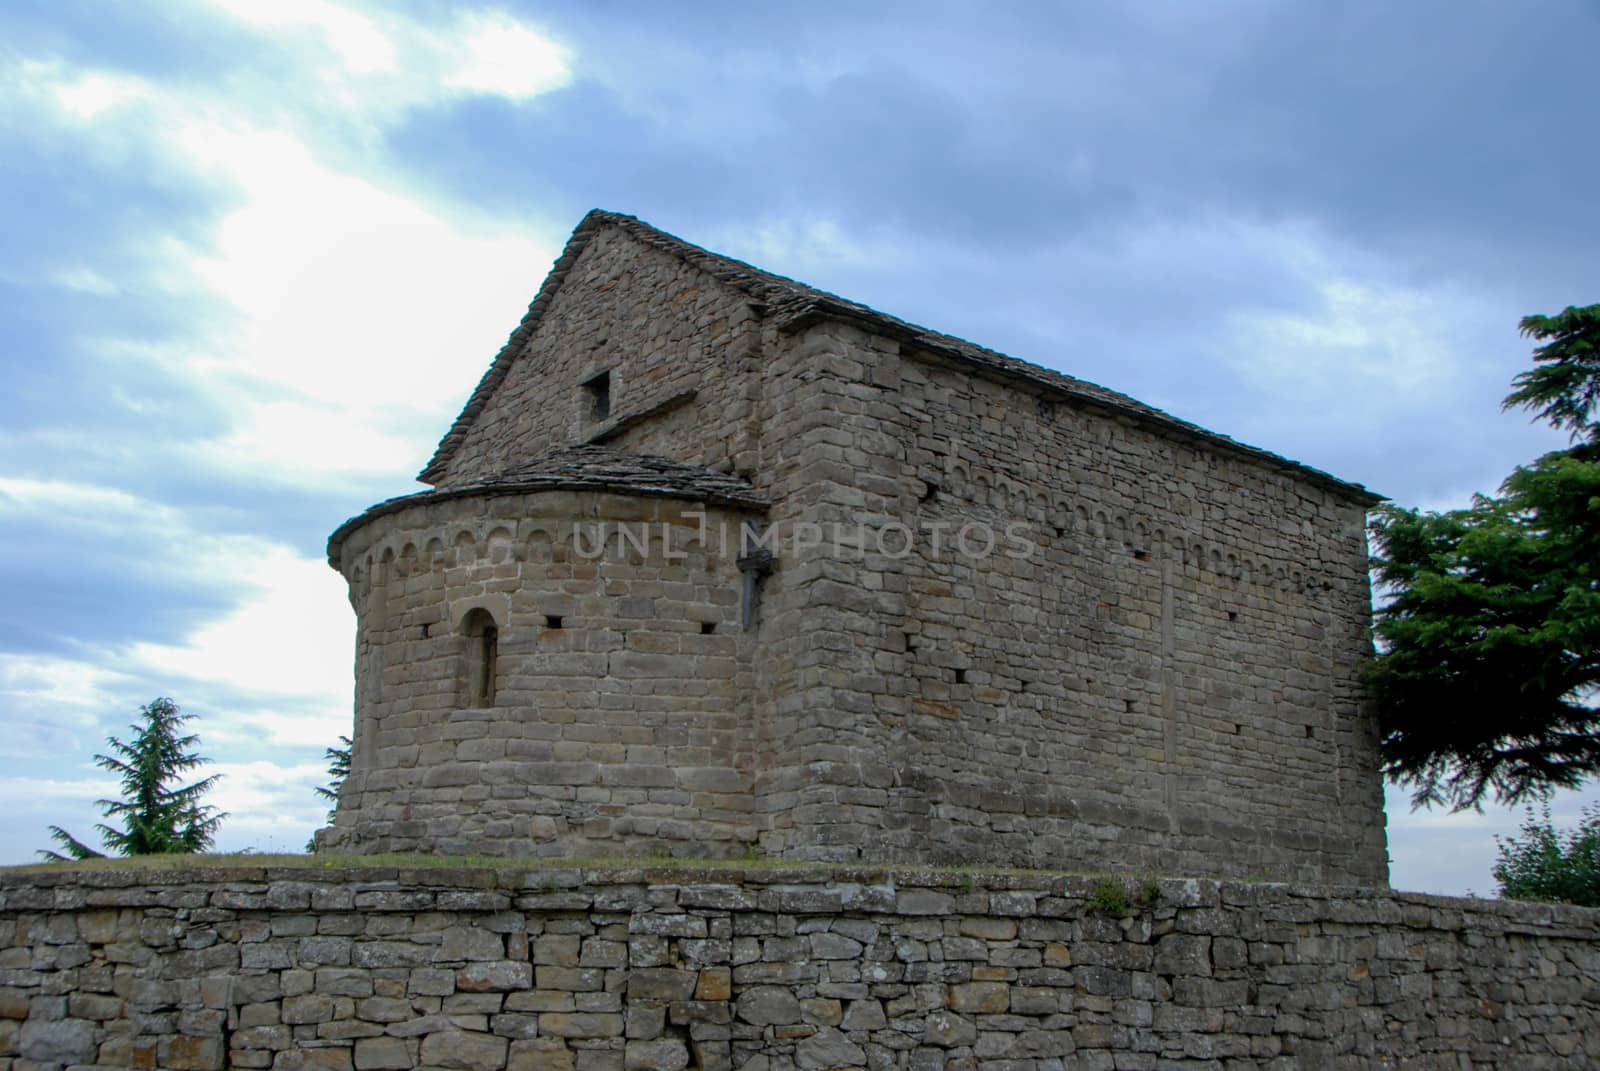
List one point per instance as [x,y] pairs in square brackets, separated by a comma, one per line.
[482,657]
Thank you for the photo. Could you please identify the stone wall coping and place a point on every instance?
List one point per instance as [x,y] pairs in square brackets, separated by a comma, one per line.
[856,888]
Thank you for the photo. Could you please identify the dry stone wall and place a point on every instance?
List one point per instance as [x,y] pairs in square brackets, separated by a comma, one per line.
[775,970]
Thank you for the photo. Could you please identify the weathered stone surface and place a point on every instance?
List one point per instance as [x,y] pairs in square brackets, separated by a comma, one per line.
[828,1048]
[64,1041]
[948,1030]
[580,1024]
[714,983]
[768,1005]
[310,1008]
[661,983]
[663,1054]
[471,943]
[465,1050]
[498,976]
[1178,953]
[191,1053]
[541,1054]
[325,1059]
[924,902]
[382,1054]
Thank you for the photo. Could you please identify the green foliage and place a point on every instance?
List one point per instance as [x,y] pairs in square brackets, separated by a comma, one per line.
[1112,897]
[157,816]
[338,769]
[76,850]
[1490,632]
[1544,864]
[1564,384]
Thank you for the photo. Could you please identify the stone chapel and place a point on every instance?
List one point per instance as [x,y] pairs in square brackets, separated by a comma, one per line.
[715,563]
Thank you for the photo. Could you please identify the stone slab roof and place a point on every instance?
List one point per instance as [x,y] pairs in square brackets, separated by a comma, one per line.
[794,305]
[580,468]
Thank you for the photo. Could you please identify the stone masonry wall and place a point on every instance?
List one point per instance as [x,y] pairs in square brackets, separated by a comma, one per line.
[621,689]
[1169,679]
[774,970]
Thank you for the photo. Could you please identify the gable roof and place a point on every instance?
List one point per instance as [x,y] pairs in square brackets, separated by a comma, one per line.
[794,306]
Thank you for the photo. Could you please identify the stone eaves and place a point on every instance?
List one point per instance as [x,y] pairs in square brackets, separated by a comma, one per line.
[579,468]
[794,305]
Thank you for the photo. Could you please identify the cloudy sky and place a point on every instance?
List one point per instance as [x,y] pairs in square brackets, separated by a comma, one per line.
[255,255]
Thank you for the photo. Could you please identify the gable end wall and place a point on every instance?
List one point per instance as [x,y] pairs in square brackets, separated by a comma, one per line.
[679,347]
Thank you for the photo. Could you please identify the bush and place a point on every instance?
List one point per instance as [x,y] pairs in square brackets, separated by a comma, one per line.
[1556,866]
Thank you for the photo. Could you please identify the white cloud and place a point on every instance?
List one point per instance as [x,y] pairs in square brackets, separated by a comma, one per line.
[505,58]
[1360,341]
[315,731]
[85,281]
[292,636]
[375,67]
[92,94]
[271,807]
[354,38]
[70,687]
[814,248]
[127,519]
[88,503]
[16,790]
[353,306]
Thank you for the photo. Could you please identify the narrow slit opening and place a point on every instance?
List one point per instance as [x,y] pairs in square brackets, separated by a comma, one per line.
[598,392]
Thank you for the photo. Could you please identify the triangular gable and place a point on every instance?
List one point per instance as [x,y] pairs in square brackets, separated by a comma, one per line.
[770,290]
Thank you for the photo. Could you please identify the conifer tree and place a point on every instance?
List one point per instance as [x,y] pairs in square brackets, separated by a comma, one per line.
[156,814]
[1489,637]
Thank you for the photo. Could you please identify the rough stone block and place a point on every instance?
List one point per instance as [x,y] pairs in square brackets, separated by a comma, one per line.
[980,998]
[61,1041]
[660,1054]
[660,984]
[581,1024]
[192,1053]
[464,1050]
[499,977]
[768,1005]
[924,902]
[540,1054]
[382,1054]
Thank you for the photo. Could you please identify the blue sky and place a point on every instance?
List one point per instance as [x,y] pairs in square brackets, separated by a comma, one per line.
[256,255]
